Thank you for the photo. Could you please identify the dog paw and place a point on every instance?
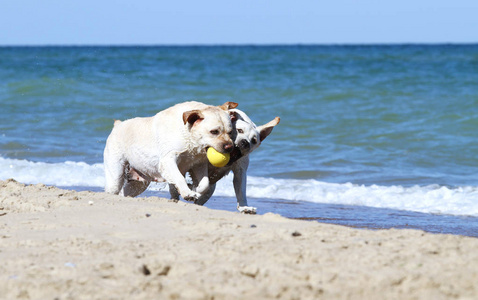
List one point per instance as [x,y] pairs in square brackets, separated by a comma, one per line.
[247,210]
[192,196]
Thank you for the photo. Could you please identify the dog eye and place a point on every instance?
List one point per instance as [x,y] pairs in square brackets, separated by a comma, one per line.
[215,132]
[254,140]
[240,131]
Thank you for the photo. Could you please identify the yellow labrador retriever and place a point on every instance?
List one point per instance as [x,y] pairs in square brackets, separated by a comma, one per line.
[166,146]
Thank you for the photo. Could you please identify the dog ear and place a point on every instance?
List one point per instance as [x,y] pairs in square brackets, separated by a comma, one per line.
[266,129]
[192,116]
[233,116]
[228,105]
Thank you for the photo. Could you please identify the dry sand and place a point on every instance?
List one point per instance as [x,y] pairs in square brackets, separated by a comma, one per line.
[59,244]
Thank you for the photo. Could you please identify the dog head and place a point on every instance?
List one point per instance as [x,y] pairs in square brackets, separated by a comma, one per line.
[211,127]
[246,135]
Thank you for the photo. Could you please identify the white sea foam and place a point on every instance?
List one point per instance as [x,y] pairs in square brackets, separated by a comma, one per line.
[427,199]
[60,174]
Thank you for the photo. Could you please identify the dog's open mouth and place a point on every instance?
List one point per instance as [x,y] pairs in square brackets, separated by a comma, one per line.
[235,155]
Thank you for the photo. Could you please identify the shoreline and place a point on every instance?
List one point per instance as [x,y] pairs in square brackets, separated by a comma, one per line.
[355,216]
[90,245]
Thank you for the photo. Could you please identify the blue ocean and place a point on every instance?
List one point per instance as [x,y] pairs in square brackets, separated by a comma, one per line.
[373,136]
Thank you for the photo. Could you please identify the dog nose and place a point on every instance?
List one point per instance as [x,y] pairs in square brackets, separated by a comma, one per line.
[244,144]
[228,147]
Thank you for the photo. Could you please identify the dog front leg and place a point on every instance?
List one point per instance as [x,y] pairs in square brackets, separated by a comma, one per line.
[173,191]
[200,178]
[240,183]
[169,170]
[206,196]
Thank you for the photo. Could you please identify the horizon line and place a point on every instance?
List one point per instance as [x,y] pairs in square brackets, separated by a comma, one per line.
[242,44]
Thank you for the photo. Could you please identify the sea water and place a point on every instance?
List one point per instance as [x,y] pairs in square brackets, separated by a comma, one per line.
[381,130]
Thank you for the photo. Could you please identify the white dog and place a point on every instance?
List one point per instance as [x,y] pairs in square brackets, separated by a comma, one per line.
[247,137]
[165,147]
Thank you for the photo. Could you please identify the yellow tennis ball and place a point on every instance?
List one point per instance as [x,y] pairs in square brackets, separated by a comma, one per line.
[217,159]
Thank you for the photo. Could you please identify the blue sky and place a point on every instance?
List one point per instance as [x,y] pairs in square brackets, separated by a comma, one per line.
[156,22]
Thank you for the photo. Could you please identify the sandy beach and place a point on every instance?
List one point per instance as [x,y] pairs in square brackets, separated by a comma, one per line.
[60,244]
